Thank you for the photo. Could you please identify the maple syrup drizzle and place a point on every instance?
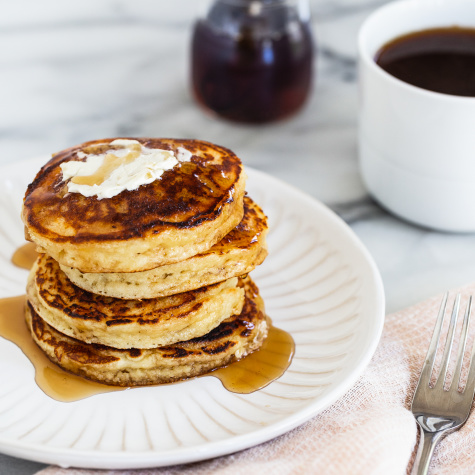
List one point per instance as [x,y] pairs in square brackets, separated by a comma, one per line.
[250,374]
[25,256]
[52,380]
[260,368]
[110,163]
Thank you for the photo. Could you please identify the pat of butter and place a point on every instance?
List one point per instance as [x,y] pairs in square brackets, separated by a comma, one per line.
[125,168]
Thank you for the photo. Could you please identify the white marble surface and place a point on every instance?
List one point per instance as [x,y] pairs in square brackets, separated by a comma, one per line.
[75,71]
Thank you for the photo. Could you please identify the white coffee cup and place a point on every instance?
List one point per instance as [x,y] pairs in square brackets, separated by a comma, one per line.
[416,147]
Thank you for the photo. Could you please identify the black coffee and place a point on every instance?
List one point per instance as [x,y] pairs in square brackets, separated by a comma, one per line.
[439,59]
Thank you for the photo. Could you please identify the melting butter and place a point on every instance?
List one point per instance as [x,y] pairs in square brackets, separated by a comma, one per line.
[126,166]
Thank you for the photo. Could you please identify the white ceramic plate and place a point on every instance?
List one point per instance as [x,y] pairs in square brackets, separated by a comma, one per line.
[318,283]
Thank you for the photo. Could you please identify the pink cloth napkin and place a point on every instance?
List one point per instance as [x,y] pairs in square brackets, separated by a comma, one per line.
[368,431]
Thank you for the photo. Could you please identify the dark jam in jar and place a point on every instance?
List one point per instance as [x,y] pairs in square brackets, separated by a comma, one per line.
[252,67]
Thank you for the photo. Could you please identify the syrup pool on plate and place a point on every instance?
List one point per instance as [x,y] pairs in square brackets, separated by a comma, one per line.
[260,368]
[51,379]
[25,256]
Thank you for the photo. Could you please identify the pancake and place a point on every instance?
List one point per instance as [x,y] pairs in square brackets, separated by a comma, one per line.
[129,323]
[233,339]
[185,212]
[238,253]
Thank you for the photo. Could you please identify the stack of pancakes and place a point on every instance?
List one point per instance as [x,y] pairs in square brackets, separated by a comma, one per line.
[149,286]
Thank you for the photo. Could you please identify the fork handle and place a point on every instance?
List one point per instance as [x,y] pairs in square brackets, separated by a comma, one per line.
[426,448]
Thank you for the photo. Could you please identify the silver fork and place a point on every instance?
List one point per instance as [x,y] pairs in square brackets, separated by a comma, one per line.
[439,412]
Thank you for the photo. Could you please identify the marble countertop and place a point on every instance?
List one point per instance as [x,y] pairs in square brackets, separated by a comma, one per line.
[78,71]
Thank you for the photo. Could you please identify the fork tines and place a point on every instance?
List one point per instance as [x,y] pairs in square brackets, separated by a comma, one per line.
[426,373]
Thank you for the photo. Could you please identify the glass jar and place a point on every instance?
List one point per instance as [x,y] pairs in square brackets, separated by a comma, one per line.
[251,60]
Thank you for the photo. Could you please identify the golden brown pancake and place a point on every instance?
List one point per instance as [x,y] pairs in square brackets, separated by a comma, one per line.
[238,253]
[185,212]
[129,323]
[231,340]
